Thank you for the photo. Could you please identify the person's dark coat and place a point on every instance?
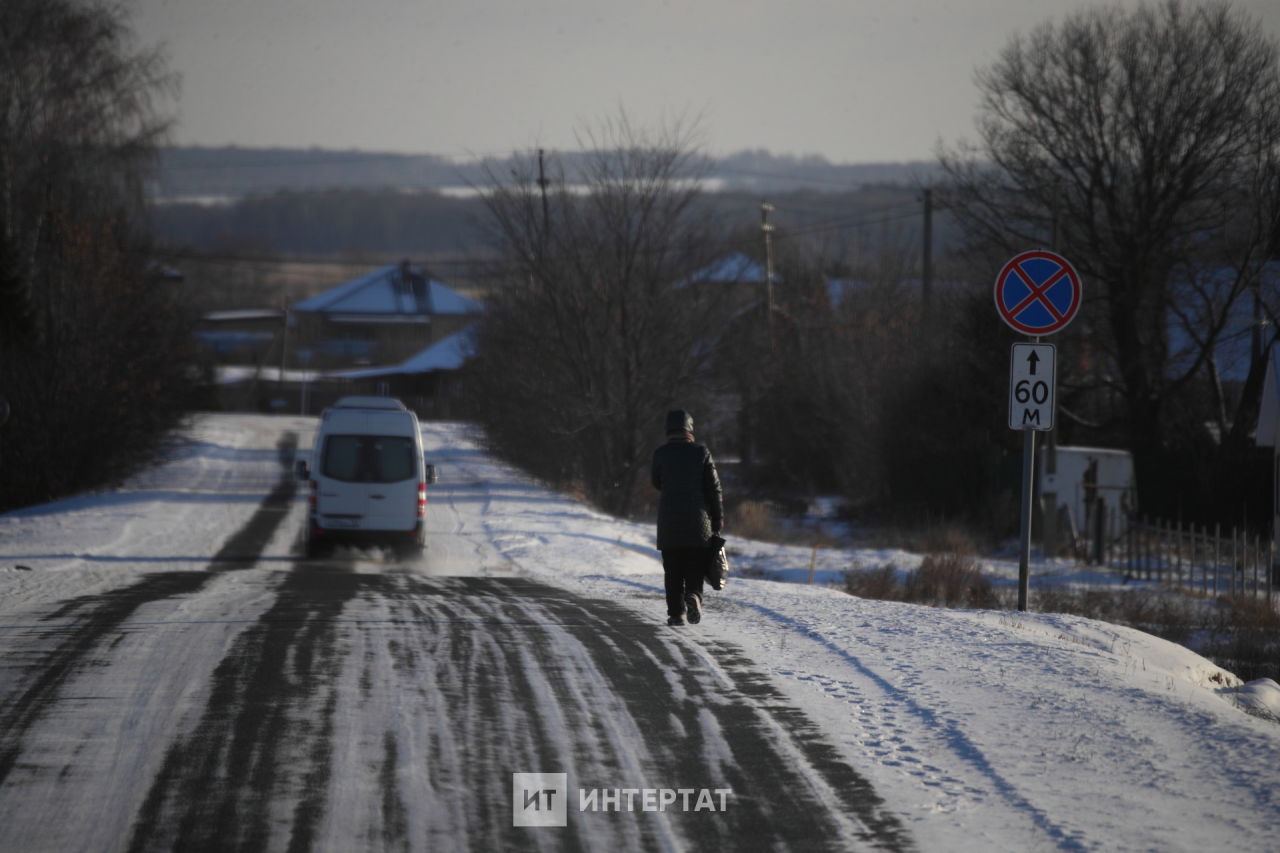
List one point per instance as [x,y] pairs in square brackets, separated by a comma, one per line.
[691,506]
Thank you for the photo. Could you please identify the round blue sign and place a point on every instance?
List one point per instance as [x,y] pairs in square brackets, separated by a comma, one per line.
[1037,292]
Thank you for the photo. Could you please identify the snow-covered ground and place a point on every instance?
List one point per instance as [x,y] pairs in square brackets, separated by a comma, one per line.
[986,730]
[172,518]
[982,730]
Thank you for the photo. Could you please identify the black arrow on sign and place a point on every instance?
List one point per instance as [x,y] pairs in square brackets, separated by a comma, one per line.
[1033,360]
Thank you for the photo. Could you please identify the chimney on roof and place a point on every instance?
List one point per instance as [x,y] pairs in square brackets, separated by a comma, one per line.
[414,286]
[401,286]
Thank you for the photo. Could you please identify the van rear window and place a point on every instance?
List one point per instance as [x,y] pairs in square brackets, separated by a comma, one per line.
[368,458]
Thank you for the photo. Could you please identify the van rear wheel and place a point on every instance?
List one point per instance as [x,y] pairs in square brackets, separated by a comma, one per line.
[409,550]
[317,549]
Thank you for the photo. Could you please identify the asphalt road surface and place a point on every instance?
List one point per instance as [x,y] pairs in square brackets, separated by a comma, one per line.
[356,703]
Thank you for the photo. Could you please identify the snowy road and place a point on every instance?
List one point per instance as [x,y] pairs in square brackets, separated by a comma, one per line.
[185,680]
[174,676]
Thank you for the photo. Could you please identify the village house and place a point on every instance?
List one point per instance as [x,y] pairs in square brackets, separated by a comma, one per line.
[381,318]
[395,330]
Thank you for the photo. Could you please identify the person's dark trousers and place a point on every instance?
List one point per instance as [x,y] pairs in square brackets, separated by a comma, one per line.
[683,572]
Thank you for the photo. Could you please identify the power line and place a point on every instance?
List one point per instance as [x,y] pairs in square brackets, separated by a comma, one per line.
[850,223]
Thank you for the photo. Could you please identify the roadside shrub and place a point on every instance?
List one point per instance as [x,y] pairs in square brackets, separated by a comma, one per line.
[943,580]
[754,520]
[928,538]
[948,539]
[1246,638]
[950,580]
[1163,614]
[1054,599]
[880,584]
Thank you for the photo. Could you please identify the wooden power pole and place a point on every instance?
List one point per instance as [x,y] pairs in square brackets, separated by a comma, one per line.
[765,209]
[926,265]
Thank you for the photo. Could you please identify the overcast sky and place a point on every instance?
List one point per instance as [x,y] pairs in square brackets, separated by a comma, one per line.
[853,80]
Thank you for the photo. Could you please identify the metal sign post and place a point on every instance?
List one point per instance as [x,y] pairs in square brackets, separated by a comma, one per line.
[1037,293]
[1024,525]
[1032,387]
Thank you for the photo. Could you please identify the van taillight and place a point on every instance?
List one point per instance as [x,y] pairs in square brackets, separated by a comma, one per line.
[315,497]
[422,500]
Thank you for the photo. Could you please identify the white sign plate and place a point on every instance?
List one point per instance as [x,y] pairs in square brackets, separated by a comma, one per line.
[1033,379]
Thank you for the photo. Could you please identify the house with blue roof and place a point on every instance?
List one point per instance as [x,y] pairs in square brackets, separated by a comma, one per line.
[380,318]
[428,381]
[736,280]
[733,268]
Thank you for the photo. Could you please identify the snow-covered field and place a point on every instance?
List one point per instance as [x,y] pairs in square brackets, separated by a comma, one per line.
[982,730]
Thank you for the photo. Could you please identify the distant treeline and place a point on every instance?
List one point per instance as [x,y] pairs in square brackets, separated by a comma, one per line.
[336,222]
[187,172]
[860,223]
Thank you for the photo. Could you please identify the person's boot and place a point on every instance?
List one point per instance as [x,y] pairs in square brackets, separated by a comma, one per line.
[675,620]
[693,607]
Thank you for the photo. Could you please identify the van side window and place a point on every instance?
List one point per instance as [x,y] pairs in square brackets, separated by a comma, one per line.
[368,458]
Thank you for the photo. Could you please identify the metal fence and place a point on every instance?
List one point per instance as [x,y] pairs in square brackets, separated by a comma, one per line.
[1193,557]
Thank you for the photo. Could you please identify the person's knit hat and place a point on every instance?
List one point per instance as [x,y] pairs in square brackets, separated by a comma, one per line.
[678,420]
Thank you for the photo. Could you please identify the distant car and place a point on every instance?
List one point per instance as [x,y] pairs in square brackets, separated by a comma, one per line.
[368,477]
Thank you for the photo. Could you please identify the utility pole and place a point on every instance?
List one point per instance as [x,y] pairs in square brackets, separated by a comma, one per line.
[765,209]
[542,186]
[926,267]
[284,333]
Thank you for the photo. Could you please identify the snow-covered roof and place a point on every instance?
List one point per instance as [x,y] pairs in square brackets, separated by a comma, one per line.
[241,314]
[230,374]
[445,354]
[1082,450]
[390,291]
[730,269]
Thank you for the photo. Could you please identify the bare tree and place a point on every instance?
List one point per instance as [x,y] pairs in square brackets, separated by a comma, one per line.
[592,334]
[1144,144]
[78,123]
[86,335]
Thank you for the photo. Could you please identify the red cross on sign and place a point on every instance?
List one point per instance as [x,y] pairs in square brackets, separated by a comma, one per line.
[1037,292]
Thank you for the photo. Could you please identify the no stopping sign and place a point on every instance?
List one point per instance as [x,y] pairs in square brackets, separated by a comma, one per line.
[1037,292]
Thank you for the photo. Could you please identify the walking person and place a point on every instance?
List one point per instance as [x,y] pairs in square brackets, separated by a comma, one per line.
[690,512]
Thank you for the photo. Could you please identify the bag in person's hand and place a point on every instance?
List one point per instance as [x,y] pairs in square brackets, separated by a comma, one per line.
[717,563]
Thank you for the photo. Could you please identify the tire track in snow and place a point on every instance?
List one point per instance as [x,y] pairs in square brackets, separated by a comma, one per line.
[721,715]
[265,736]
[97,616]
[389,711]
[255,771]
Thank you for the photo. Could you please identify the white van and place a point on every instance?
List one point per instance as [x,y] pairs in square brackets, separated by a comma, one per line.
[368,477]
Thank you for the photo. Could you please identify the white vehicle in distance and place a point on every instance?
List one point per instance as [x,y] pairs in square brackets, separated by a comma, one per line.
[369,477]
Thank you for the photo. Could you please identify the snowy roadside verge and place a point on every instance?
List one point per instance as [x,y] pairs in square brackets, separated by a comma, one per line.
[173,517]
[987,729]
